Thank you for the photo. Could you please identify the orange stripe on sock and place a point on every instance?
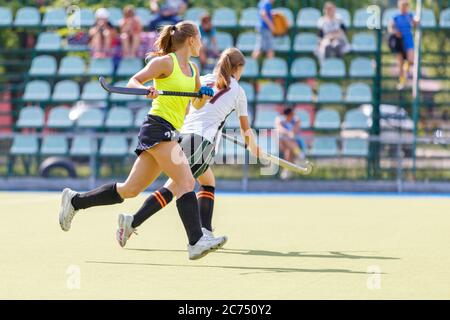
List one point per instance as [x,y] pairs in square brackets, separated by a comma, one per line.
[158,199]
[162,198]
[206,192]
[205,196]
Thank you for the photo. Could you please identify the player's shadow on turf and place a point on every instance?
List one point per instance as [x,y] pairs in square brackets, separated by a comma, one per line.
[255,269]
[299,254]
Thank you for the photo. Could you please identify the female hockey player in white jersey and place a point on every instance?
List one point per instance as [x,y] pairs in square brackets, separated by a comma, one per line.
[200,134]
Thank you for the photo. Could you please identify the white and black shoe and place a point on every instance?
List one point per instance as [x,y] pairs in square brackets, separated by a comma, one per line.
[211,234]
[67,211]
[125,230]
[205,245]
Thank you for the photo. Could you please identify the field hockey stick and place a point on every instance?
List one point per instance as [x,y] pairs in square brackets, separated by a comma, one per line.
[302,169]
[144,92]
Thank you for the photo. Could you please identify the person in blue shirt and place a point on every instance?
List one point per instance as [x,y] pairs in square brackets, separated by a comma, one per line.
[402,26]
[209,53]
[264,30]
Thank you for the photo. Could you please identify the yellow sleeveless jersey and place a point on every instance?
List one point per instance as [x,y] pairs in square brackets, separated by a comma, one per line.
[173,109]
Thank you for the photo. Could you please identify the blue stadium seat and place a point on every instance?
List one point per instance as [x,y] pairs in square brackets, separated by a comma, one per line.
[246,41]
[84,18]
[249,17]
[43,66]
[249,91]
[114,146]
[103,67]
[91,119]
[265,118]
[270,92]
[133,145]
[324,147]
[55,17]
[304,68]
[48,41]
[37,90]
[224,18]
[362,68]
[354,147]
[361,18]
[224,40]
[274,68]
[287,13]
[308,17]
[388,15]
[6,17]
[144,15]
[58,118]
[327,119]
[364,42]
[115,15]
[251,69]
[428,19]
[24,145]
[116,97]
[305,119]
[54,145]
[93,91]
[345,16]
[128,67]
[329,93]
[299,93]
[119,118]
[140,117]
[332,68]
[72,66]
[306,42]
[30,117]
[358,93]
[444,20]
[27,17]
[83,146]
[282,44]
[194,14]
[66,90]
[355,119]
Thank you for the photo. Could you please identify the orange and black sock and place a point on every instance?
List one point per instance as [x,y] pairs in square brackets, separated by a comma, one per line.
[155,202]
[188,209]
[205,198]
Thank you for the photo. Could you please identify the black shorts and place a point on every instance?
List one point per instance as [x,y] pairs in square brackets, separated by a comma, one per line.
[153,131]
[396,45]
[199,152]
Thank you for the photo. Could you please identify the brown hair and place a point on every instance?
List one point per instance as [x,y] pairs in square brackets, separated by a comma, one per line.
[229,61]
[129,11]
[172,37]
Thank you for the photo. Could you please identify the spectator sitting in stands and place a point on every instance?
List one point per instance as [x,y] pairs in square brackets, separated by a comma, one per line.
[102,35]
[130,32]
[402,26]
[169,12]
[288,127]
[209,52]
[334,42]
[264,41]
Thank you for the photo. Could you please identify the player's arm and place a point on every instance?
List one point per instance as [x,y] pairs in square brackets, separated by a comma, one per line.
[157,68]
[267,20]
[198,103]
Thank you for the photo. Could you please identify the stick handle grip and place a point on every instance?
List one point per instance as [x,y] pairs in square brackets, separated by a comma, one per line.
[179,94]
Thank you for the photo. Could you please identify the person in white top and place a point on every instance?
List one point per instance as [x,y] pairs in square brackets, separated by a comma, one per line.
[199,136]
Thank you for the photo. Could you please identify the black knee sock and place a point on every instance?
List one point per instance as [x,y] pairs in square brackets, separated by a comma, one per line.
[188,209]
[104,195]
[155,202]
[205,198]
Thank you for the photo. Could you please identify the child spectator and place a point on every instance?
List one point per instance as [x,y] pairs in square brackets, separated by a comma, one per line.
[169,12]
[130,32]
[264,41]
[209,52]
[334,42]
[402,27]
[102,35]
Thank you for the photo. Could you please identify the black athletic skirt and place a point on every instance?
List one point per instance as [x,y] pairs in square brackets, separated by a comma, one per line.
[153,131]
[199,152]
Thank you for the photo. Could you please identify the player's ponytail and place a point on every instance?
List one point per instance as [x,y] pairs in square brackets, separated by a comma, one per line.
[229,61]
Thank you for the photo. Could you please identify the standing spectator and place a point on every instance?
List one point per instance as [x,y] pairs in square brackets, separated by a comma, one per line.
[130,32]
[264,41]
[288,127]
[209,51]
[102,35]
[334,42]
[402,27]
[169,12]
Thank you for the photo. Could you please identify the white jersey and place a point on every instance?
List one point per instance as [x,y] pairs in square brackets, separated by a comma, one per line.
[208,120]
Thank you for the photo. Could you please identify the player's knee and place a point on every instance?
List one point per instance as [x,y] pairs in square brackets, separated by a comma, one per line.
[187,185]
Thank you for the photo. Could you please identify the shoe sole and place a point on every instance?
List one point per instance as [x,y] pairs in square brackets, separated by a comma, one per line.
[213,249]
[61,211]
[120,222]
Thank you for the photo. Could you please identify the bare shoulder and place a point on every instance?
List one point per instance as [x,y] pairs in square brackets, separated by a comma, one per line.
[165,61]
